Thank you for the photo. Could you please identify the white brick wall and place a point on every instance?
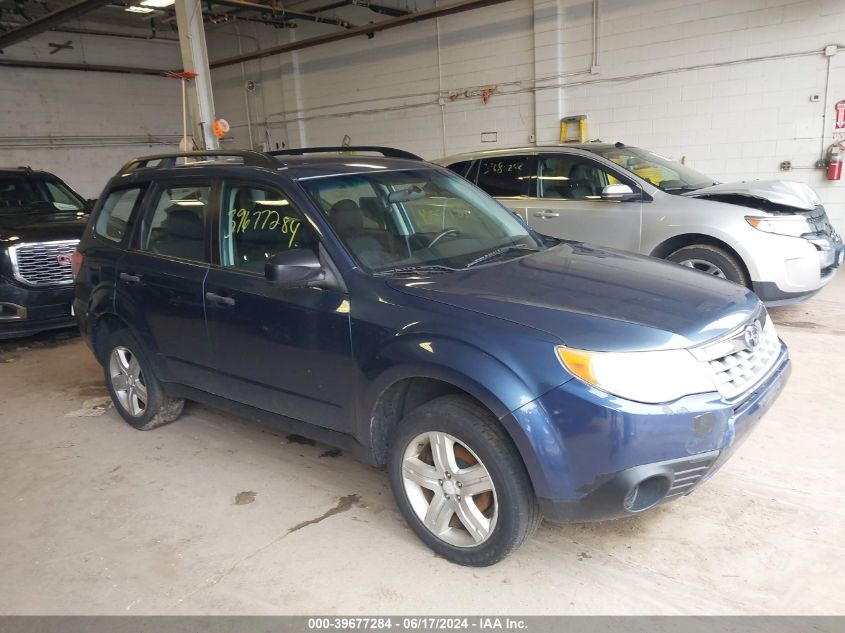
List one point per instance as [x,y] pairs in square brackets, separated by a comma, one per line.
[42,103]
[734,122]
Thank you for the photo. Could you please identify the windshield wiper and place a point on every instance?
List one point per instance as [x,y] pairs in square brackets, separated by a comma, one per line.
[421,268]
[501,251]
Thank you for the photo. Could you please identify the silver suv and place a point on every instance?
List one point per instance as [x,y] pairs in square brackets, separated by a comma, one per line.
[771,236]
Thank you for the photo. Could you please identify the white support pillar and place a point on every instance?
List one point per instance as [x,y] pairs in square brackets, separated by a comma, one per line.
[195,59]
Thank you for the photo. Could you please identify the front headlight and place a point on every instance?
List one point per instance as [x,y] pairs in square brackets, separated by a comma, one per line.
[791,225]
[652,377]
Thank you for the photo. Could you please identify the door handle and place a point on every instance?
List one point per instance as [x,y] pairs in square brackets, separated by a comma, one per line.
[546,213]
[130,279]
[219,299]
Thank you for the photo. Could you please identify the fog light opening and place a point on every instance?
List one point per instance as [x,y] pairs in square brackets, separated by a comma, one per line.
[646,494]
[9,311]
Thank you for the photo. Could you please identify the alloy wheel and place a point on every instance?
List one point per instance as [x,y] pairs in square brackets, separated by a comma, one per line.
[704,267]
[127,380]
[449,489]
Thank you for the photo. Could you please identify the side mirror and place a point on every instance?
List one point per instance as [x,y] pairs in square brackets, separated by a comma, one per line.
[294,268]
[619,193]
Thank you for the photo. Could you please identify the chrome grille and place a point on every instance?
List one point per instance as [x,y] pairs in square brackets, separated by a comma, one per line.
[735,364]
[820,224]
[43,263]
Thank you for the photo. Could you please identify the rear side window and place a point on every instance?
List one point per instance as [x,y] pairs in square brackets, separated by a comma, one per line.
[256,224]
[504,176]
[114,221]
[177,225]
[461,167]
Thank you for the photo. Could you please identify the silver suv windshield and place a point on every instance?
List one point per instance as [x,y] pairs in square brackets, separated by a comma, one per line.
[660,171]
[420,219]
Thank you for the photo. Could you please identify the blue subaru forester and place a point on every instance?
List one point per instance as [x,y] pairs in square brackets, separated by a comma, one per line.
[388,307]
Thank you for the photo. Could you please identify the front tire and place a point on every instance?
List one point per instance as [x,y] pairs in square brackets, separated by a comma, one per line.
[711,260]
[135,391]
[460,483]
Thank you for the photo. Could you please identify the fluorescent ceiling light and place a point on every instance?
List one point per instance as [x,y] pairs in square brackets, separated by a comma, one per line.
[158,4]
[137,9]
[274,203]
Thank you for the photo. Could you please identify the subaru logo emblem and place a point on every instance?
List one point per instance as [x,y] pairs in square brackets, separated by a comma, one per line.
[63,259]
[751,336]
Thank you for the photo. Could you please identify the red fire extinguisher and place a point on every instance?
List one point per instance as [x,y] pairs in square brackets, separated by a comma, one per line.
[834,163]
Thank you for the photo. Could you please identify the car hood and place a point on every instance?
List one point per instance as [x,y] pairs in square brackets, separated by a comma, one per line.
[596,299]
[19,227]
[779,192]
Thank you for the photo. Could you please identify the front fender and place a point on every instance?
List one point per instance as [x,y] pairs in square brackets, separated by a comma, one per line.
[478,373]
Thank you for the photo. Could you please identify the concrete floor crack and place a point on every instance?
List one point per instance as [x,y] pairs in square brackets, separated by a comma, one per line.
[343,504]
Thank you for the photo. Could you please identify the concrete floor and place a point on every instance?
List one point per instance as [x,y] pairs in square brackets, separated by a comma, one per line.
[215,516]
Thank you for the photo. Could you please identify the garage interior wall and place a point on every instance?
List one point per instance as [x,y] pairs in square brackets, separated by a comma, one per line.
[725,85]
[83,126]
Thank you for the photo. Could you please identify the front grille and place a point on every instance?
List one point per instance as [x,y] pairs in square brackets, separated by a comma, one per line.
[820,224]
[43,263]
[688,473]
[735,364]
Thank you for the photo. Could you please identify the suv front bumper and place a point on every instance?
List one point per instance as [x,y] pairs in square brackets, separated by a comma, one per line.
[600,457]
[797,268]
[25,311]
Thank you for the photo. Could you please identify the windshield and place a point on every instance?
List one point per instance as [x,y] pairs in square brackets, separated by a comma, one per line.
[656,169]
[20,193]
[417,219]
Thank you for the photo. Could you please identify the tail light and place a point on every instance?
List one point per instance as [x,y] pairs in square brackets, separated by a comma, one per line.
[76,262]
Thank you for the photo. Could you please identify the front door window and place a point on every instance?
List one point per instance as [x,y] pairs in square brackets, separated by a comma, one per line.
[257,223]
[570,177]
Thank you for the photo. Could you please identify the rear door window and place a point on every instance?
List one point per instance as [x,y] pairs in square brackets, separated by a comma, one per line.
[16,192]
[176,226]
[114,221]
[505,176]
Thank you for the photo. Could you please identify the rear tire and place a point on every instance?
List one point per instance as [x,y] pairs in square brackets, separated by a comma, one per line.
[134,389]
[711,260]
[460,483]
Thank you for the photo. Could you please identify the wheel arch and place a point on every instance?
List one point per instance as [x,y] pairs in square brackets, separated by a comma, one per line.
[672,244]
[103,326]
[404,395]
[476,375]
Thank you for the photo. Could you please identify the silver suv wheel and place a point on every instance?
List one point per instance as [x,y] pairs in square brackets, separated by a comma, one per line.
[704,267]
[449,489]
[127,380]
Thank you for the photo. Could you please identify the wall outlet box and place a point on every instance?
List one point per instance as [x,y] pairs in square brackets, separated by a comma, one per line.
[489,137]
[532,138]
[815,98]
[595,70]
[830,50]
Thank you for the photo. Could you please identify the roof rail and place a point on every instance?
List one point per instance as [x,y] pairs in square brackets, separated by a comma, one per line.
[250,158]
[387,152]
